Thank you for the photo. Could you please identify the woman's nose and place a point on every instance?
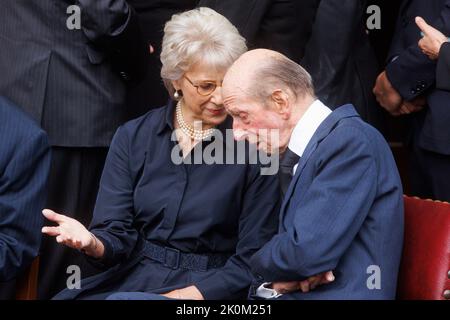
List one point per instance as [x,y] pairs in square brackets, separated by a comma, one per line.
[216,97]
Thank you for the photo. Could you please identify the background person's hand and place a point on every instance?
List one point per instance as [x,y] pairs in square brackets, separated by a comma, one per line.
[432,39]
[69,231]
[386,95]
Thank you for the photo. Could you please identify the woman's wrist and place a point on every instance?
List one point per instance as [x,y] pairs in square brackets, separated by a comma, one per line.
[95,247]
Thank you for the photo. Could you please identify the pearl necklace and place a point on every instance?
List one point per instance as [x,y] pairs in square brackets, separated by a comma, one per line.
[191,132]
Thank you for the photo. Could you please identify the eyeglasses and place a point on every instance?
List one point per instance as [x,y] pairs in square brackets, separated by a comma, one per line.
[205,88]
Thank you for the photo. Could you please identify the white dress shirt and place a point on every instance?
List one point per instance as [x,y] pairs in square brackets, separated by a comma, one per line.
[306,127]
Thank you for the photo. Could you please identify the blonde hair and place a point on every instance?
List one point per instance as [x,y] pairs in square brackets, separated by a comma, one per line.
[198,36]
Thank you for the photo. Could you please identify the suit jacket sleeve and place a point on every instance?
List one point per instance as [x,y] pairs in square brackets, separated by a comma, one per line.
[411,72]
[328,217]
[22,197]
[246,16]
[258,223]
[443,68]
[113,26]
[333,55]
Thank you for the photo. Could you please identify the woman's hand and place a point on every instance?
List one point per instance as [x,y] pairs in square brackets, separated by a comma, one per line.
[73,234]
[432,39]
[188,293]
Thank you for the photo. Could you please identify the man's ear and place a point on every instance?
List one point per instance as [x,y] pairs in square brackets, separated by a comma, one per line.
[280,101]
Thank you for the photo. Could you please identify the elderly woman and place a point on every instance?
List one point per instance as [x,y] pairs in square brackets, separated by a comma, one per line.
[185,231]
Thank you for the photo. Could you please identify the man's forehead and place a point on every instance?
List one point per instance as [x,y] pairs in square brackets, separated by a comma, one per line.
[233,96]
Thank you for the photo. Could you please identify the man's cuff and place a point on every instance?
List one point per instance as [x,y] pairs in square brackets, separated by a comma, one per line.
[264,291]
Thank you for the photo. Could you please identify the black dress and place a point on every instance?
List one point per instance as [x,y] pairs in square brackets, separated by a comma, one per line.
[202,209]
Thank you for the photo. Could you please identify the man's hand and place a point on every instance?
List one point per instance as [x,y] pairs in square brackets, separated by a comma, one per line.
[306,285]
[432,39]
[387,96]
[188,293]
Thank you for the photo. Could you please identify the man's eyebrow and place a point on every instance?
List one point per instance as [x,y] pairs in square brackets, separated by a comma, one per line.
[229,100]
[229,107]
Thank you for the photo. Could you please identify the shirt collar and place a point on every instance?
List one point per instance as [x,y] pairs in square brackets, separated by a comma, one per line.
[316,113]
[167,122]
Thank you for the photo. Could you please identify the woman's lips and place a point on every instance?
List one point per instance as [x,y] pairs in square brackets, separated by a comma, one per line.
[216,112]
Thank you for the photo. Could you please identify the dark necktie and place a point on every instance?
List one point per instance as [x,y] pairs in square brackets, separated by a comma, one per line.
[287,162]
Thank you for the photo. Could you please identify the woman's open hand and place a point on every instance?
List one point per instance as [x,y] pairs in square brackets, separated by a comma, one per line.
[69,231]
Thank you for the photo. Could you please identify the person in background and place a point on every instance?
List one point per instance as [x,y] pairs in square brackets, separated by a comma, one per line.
[24,167]
[341,59]
[437,47]
[280,25]
[73,83]
[408,88]
[327,37]
[149,93]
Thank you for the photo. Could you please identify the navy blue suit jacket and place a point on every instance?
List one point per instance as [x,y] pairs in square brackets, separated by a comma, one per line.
[24,167]
[343,211]
[413,74]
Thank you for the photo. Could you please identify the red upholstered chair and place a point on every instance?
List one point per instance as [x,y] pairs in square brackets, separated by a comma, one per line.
[425,267]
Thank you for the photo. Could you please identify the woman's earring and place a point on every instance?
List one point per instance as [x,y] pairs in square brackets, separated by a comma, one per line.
[177,95]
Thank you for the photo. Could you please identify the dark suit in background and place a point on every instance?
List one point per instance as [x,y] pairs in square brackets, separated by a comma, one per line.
[24,168]
[413,75]
[327,37]
[73,83]
[443,68]
[150,93]
[284,26]
[341,60]
[280,25]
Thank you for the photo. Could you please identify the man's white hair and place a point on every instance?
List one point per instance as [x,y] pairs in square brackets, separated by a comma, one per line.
[198,36]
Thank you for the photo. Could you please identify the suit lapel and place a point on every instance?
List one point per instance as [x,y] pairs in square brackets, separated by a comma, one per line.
[303,161]
[321,133]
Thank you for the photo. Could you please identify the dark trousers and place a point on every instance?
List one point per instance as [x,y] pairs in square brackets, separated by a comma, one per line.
[73,185]
[429,174]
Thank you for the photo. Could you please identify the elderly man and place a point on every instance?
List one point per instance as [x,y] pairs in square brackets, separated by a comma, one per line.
[24,167]
[342,210]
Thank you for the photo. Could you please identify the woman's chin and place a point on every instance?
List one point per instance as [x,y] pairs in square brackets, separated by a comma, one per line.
[214,121]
